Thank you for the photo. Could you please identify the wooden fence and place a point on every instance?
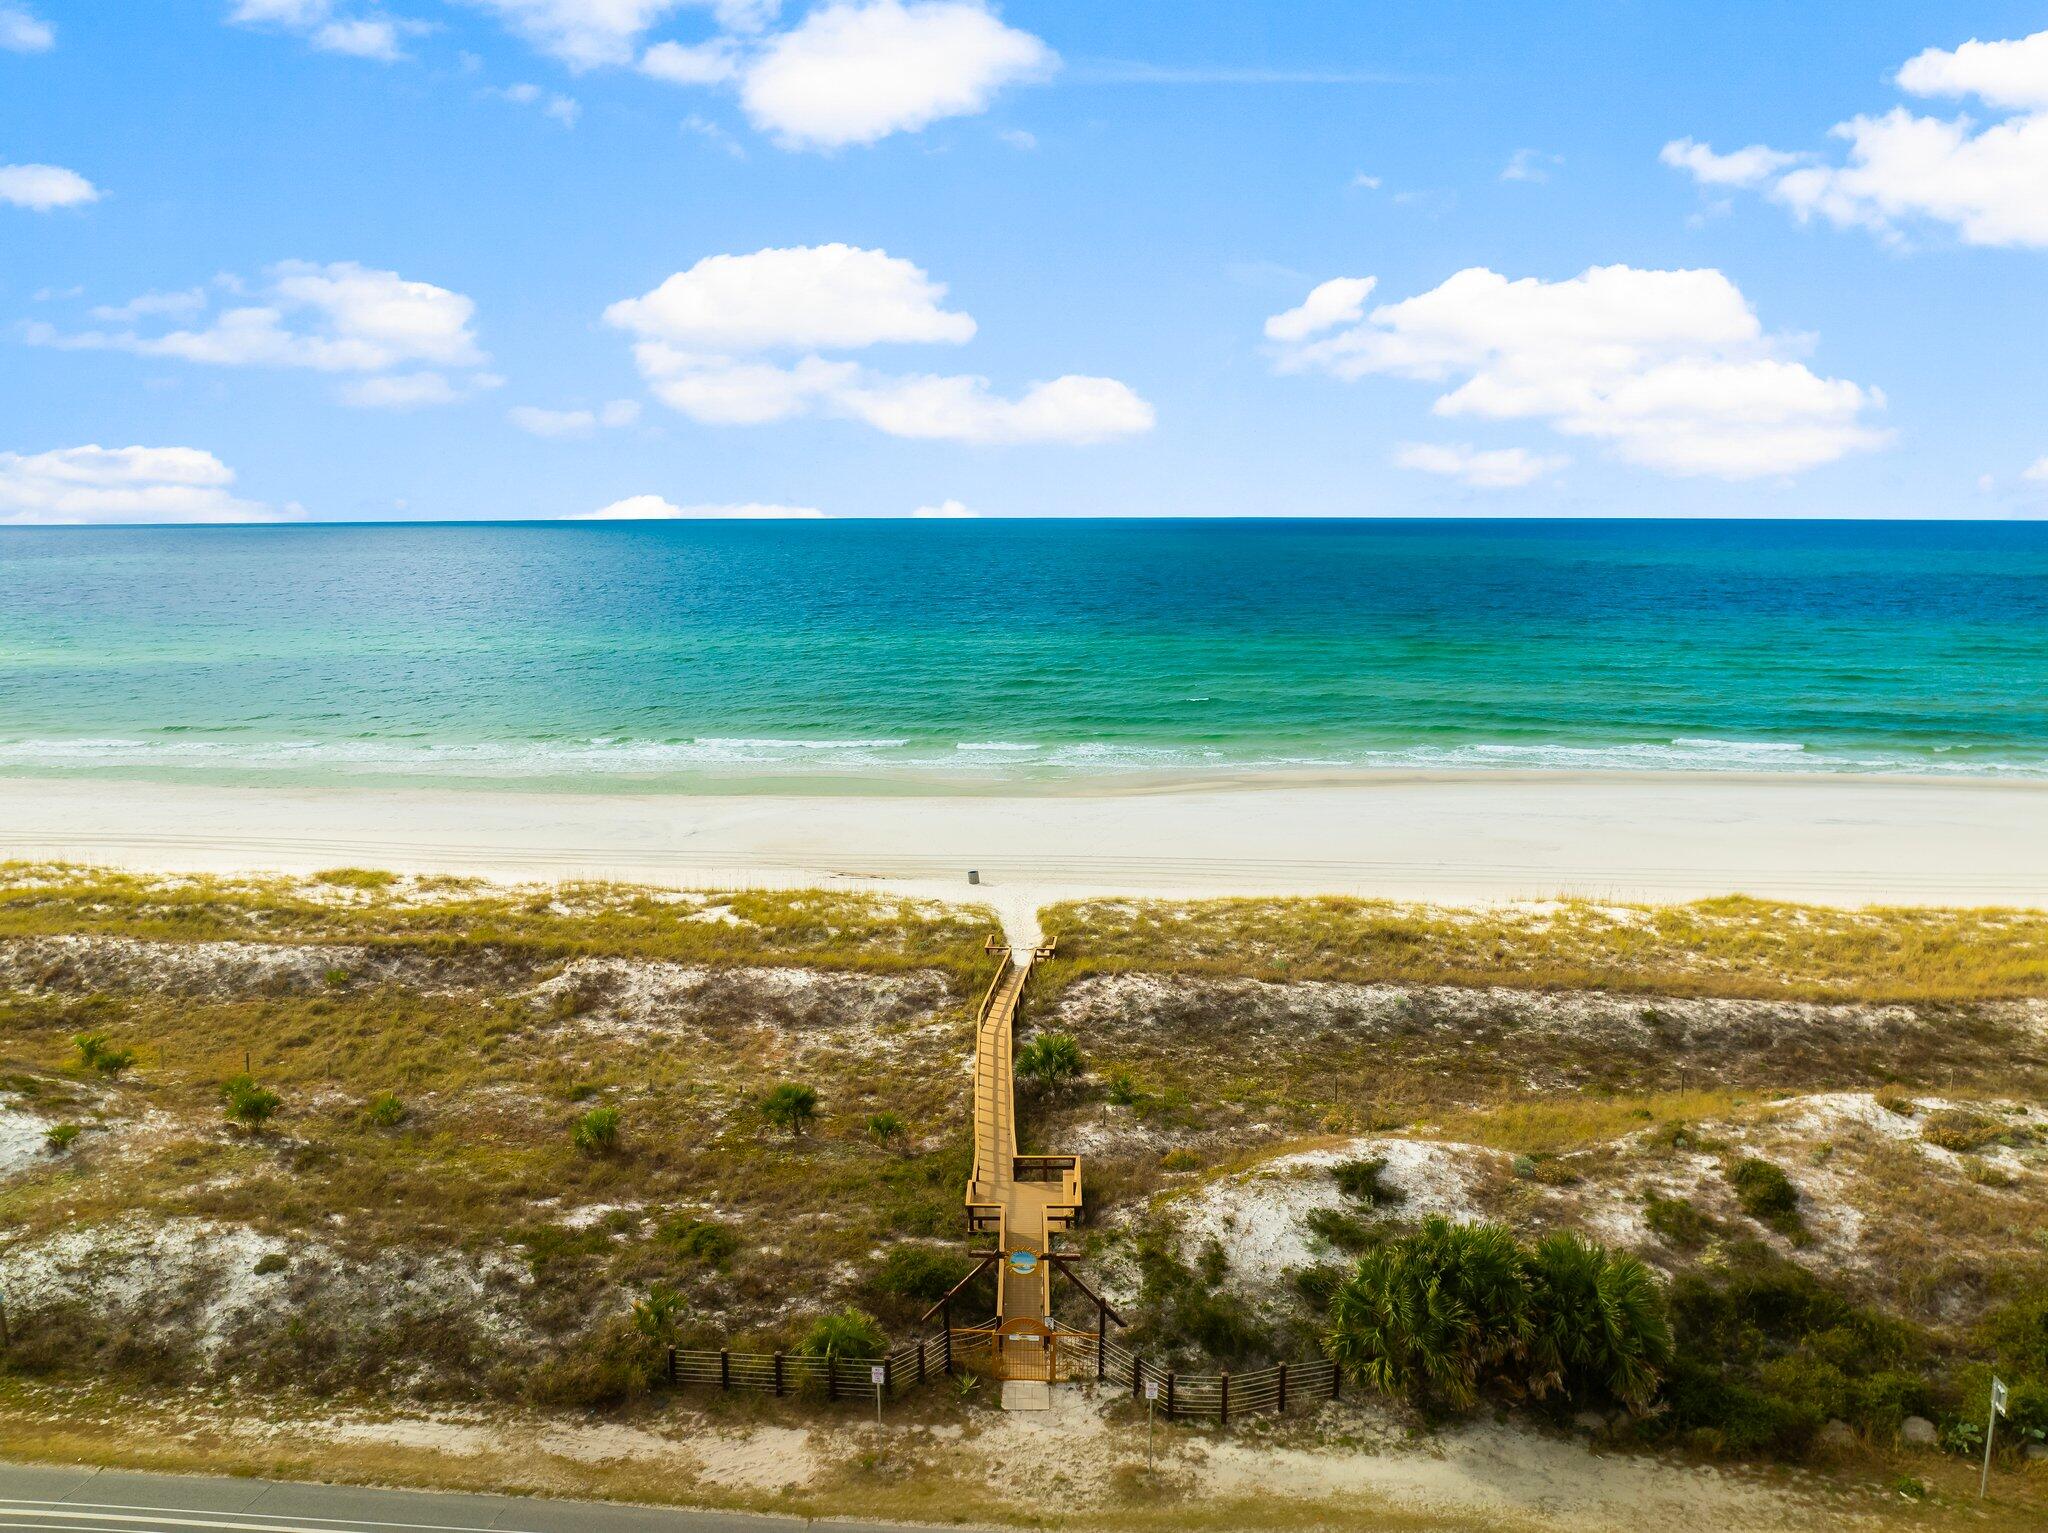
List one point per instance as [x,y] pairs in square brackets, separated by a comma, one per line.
[1219,1397]
[786,1373]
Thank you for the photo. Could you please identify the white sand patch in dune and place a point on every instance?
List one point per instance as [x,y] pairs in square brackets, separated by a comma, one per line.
[1259,1216]
[23,1141]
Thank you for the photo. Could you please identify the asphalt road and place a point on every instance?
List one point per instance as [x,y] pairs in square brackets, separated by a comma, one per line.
[52,1500]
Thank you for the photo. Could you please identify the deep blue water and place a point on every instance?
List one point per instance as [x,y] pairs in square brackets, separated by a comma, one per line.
[706,655]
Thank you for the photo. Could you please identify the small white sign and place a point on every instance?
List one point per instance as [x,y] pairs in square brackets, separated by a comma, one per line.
[876,1375]
[1998,1396]
[1152,1390]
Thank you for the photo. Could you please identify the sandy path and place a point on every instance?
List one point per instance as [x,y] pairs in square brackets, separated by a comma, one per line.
[1454,839]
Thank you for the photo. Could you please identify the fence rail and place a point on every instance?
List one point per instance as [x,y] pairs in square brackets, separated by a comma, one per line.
[1215,1397]
[786,1373]
[1220,1396]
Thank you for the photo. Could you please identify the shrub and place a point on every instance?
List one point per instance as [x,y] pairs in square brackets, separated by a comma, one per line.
[791,1107]
[1318,1285]
[920,1273]
[335,979]
[659,1316]
[1183,1306]
[1676,1221]
[1765,1353]
[1051,1060]
[1120,1088]
[248,1104]
[1766,1194]
[698,1240]
[887,1130]
[1431,1316]
[1597,1323]
[1960,1130]
[385,1110]
[1365,1180]
[616,1365]
[271,1261]
[95,1052]
[1180,1160]
[850,1333]
[1339,1230]
[60,1135]
[596,1133]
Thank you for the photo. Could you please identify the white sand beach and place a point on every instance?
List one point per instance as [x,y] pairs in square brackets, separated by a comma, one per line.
[1458,839]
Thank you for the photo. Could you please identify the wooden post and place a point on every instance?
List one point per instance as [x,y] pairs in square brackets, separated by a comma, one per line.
[831,1377]
[1282,1408]
[1169,1394]
[778,1375]
[1223,1401]
[949,1352]
[889,1377]
[1137,1376]
[920,1359]
[725,1369]
[1101,1342]
[671,1365]
[1336,1380]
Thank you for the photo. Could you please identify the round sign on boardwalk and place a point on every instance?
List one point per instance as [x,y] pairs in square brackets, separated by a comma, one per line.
[1023,1263]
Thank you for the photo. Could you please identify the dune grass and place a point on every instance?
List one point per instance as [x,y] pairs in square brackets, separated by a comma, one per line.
[1729,947]
[825,929]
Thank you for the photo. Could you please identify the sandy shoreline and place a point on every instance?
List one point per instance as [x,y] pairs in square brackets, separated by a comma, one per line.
[1468,838]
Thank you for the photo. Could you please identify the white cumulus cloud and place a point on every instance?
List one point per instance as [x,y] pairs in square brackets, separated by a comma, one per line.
[945,511]
[708,335]
[1500,468]
[1671,370]
[853,73]
[74,486]
[2036,472]
[536,421]
[406,337]
[587,34]
[827,296]
[22,31]
[369,35]
[653,508]
[1741,167]
[1988,182]
[41,188]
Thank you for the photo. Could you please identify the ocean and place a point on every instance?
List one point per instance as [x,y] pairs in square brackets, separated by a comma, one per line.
[892,656]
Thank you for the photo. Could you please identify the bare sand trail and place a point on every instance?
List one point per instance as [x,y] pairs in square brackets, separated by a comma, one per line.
[1470,838]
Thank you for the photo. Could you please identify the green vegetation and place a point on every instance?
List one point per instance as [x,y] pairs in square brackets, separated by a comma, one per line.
[96,1053]
[792,1108]
[271,1262]
[1964,1131]
[887,1130]
[1448,1313]
[385,1110]
[1051,1061]
[1365,1180]
[1676,1222]
[249,1106]
[850,1333]
[920,1273]
[1766,1194]
[1766,1354]
[699,1240]
[1187,1311]
[1341,1231]
[659,1315]
[1726,947]
[59,1136]
[596,1133]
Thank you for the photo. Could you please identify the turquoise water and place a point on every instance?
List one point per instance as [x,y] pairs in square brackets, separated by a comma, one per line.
[709,656]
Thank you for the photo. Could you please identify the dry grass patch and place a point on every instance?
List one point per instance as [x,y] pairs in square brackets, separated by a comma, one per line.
[1734,946]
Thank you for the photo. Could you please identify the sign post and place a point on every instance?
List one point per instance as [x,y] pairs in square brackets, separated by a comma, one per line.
[1151,1404]
[876,1375]
[1990,1428]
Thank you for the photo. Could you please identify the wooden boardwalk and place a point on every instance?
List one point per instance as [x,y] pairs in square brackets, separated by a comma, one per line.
[1024,1201]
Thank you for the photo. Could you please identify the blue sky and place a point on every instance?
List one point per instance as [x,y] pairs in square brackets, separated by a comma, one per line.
[457,259]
